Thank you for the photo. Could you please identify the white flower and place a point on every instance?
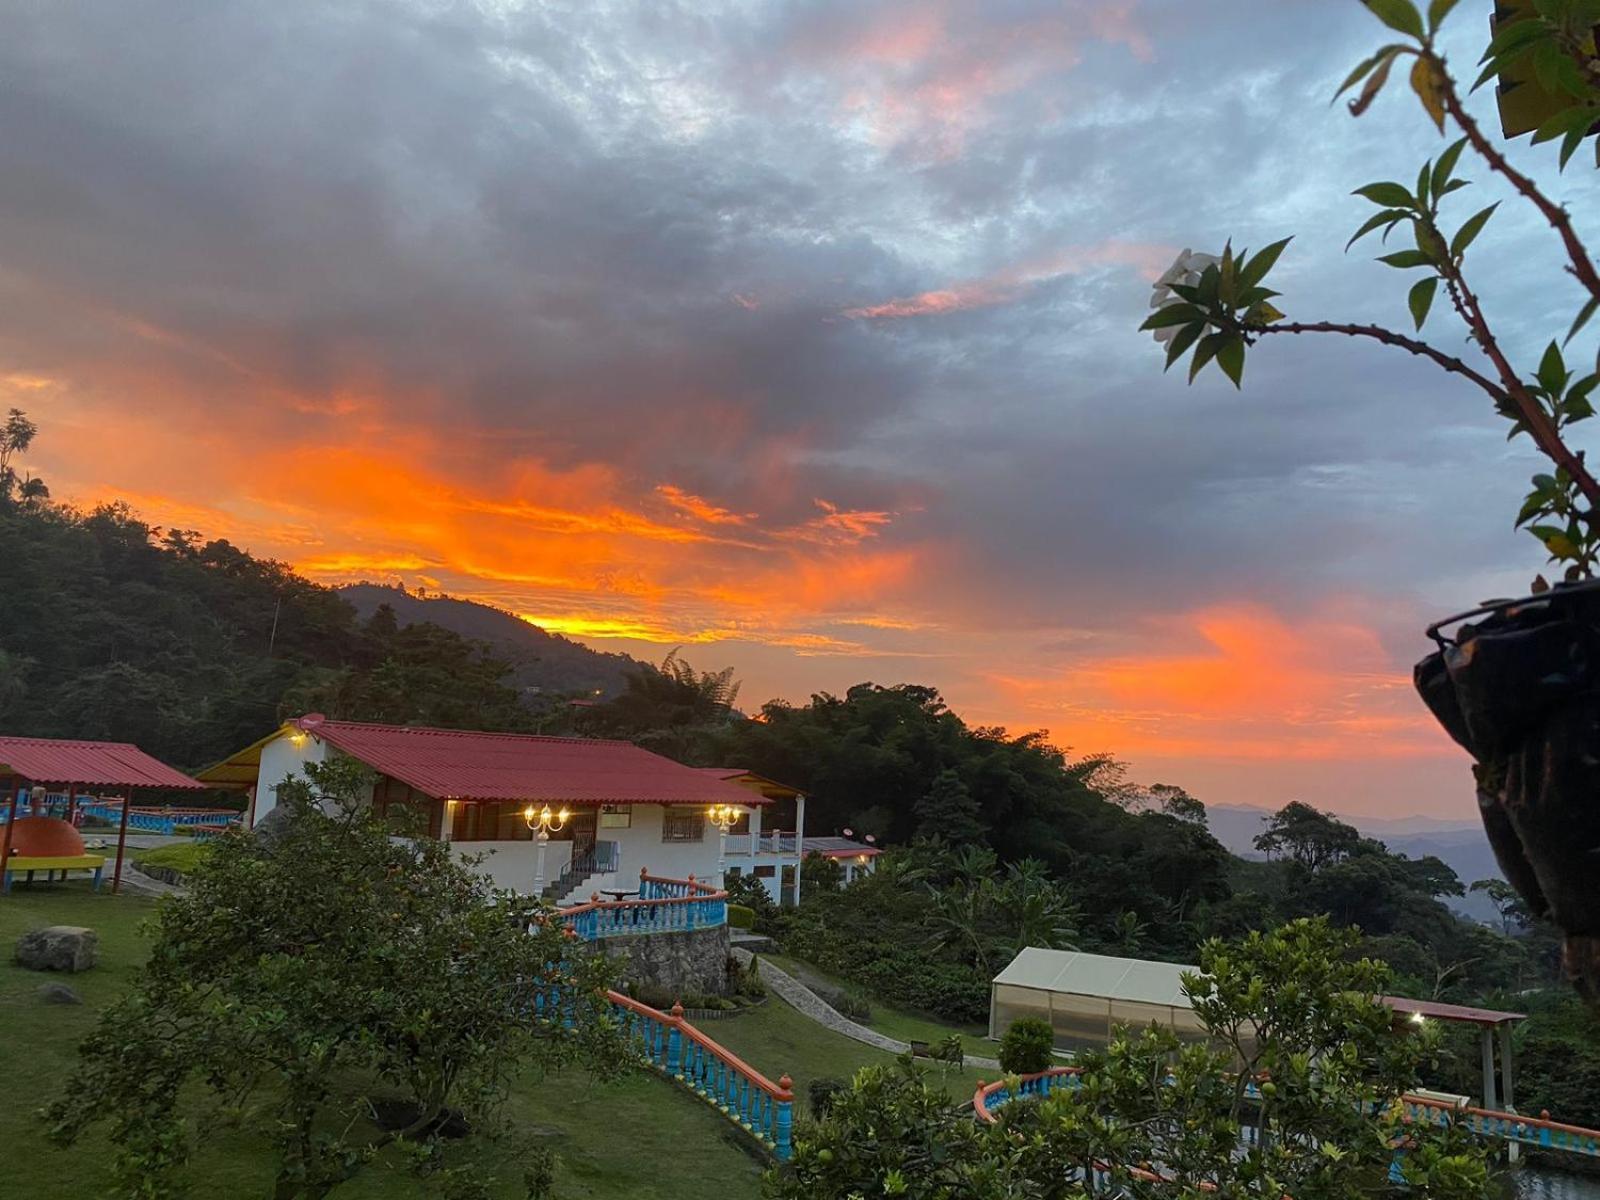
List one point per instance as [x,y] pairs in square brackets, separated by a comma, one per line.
[1185,269]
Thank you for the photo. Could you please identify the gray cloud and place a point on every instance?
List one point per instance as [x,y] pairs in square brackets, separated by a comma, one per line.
[629,233]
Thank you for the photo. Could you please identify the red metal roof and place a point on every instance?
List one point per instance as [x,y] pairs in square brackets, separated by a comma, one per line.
[1450,1012]
[466,765]
[92,764]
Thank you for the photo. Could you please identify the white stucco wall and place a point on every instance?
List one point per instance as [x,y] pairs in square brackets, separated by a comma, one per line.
[281,759]
[512,864]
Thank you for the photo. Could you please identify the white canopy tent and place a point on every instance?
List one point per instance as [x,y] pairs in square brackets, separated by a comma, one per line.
[1085,996]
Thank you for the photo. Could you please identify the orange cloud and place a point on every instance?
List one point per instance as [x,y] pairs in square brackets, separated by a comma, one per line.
[1235,682]
[1008,284]
[931,72]
[700,508]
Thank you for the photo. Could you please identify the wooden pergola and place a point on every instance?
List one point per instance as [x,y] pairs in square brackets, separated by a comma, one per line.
[121,767]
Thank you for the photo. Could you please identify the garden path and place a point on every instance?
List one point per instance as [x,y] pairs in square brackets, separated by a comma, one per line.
[806,1002]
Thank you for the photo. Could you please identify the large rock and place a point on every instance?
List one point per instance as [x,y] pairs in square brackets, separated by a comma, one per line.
[58,948]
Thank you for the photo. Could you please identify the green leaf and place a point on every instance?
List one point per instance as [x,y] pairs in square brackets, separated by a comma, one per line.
[1406,258]
[1172,314]
[1424,176]
[1552,373]
[1421,298]
[1574,139]
[1181,341]
[1230,357]
[1445,166]
[1399,15]
[1437,12]
[1205,352]
[1388,194]
[1262,261]
[1470,230]
[1582,318]
[1387,216]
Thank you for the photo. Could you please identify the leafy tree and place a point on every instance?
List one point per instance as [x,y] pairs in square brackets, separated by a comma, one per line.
[1177,803]
[889,1134]
[1027,1046]
[16,435]
[948,811]
[1507,902]
[1149,1117]
[674,709]
[312,961]
[1311,838]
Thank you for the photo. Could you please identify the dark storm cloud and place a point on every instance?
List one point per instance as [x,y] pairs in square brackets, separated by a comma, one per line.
[633,234]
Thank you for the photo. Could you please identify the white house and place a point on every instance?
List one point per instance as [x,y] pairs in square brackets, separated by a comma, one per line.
[627,810]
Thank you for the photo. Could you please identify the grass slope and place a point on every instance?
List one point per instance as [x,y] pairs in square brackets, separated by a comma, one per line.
[636,1139]
[776,1039]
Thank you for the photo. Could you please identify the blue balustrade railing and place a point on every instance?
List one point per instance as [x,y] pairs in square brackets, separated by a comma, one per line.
[163,820]
[730,1085]
[664,906]
[1487,1123]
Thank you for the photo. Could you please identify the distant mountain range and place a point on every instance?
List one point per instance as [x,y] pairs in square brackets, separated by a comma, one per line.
[1460,843]
[541,662]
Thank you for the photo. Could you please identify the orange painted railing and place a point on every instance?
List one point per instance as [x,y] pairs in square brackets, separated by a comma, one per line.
[732,1086]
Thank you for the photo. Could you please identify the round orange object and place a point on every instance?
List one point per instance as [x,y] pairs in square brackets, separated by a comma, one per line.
[45,837]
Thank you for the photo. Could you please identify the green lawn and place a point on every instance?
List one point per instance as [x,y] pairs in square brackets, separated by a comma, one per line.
[638,1139]
[777,1039]
[896,1023]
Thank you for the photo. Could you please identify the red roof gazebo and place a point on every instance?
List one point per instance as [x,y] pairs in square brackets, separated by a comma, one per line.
[120,766]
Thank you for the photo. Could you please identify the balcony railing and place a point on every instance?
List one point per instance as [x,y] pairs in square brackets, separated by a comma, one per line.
[664,906]
[776,842]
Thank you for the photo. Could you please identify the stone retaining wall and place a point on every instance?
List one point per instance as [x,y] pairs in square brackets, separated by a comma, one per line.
[690,961]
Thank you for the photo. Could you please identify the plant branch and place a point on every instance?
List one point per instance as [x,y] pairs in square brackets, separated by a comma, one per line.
[1510,394]
[1582,266]
[1389,338]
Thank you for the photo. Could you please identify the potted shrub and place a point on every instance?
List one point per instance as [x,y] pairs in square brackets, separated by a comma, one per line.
[1515,682]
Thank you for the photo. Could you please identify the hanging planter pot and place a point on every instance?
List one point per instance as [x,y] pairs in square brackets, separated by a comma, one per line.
[1517,684]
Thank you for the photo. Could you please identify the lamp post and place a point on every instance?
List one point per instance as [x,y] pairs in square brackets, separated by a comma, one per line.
[543,822]
[723,816]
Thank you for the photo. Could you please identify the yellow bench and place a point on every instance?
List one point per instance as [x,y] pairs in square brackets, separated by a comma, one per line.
[32,863]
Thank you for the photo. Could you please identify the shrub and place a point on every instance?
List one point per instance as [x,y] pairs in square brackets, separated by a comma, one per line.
[849,1004]
[1027,1046]
[178,860]
[747,981]
[821,1093]
[741,916]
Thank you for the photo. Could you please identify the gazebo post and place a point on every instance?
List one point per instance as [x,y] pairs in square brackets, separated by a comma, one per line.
[1508,1098]
[11,820]
[1507,1095]
[1486,1041]
[122,840]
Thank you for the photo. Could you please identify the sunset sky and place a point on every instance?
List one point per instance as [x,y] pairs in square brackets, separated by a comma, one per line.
[802,335]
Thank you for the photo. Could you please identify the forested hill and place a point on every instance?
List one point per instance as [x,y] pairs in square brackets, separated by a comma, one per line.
[540,661]
[112,629]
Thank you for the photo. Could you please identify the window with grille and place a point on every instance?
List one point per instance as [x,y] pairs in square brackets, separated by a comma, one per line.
[683,825]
